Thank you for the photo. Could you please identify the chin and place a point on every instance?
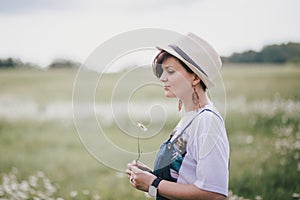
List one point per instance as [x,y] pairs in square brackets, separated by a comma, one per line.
[170,95]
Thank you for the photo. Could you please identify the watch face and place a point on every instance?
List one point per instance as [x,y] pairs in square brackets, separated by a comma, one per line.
[152,191]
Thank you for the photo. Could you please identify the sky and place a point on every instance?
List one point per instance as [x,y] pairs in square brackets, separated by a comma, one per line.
[40,31]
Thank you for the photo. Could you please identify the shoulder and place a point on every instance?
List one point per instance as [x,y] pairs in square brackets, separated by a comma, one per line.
[209,116]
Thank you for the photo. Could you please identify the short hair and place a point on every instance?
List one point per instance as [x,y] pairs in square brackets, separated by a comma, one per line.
[162,56]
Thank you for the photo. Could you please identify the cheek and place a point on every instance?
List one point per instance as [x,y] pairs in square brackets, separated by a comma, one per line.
[180,85]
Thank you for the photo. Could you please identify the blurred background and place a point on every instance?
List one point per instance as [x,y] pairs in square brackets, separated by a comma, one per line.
[43,43]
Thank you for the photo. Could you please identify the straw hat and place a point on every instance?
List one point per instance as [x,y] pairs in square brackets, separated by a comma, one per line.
[198,55]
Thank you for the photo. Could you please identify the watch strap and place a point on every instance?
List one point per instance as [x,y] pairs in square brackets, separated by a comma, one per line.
[156,182]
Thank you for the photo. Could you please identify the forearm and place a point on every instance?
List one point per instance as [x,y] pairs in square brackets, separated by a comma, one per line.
[177,191]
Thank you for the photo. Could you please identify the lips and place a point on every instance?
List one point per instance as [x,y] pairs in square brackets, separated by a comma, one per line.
[166,87]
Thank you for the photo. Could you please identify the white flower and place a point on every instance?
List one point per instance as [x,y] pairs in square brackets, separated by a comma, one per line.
[22,195]
[258,197]
[33,181]
[96,197]
[142,126]
[296,195]
[73,193]
[24,186]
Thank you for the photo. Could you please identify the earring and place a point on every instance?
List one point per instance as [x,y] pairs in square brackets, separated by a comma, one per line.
[195,98]
[179,105]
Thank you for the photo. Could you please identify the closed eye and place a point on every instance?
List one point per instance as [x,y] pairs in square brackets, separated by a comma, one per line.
[170,72]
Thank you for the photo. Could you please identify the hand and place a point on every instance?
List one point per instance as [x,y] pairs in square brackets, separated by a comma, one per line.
[139,178]
[141,166]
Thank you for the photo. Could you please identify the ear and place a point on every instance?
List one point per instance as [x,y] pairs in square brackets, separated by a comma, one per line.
[196,80]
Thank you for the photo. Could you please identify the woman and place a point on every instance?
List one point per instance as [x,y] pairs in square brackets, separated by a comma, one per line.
[193,163]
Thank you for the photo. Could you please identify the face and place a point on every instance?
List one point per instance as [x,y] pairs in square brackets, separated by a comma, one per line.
[176,80]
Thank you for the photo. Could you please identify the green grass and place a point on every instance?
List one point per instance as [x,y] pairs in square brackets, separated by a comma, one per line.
[262,82]
[264,145]
[39,85]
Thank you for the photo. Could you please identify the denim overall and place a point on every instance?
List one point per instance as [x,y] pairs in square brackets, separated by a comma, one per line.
[169,157]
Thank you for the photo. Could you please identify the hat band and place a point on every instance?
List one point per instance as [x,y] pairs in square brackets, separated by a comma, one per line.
[186,57]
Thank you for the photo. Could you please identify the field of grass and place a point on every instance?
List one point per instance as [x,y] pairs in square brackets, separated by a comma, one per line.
[38,137]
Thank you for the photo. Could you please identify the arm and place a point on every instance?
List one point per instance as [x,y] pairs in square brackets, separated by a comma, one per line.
[176,191]
[141,180]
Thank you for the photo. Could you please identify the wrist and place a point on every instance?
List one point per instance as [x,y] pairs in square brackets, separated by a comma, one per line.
[153,188]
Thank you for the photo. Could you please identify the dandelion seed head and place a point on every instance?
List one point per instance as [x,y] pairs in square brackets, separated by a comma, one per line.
[32,191]
[22,195]
[258,197]
[33,181]
[14,186]
[249,139]
[73,193]
[24,186]
[7,189]
[296,195]
[41,195]
[96,197]
[142,126]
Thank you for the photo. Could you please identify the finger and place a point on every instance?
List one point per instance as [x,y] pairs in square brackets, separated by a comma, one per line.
[136,170]
[128,172]
[142,166]
[131,179]
[138,163]
[132,168]
[134,162]
[129,165]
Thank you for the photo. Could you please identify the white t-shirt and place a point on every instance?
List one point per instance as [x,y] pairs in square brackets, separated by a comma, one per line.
[206,161]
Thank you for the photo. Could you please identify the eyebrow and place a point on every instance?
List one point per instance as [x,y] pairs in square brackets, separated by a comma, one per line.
[167,66]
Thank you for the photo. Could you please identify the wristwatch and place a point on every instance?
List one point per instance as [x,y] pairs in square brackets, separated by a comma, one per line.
[153,187]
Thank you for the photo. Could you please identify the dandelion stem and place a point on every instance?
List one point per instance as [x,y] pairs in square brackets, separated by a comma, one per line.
[139,151]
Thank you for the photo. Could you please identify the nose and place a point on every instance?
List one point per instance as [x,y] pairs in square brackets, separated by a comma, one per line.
[163,77]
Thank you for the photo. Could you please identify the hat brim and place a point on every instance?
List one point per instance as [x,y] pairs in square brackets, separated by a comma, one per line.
[208,83]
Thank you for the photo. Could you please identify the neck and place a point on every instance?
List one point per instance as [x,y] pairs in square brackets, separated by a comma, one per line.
[189,105]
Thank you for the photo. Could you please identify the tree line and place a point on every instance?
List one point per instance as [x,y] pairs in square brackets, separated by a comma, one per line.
[282,53]
[276,53]
[57,63]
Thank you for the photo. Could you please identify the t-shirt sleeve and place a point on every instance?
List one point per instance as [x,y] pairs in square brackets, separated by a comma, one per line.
[212,155]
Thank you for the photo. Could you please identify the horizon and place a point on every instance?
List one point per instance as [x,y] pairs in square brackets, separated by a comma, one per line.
[130,61]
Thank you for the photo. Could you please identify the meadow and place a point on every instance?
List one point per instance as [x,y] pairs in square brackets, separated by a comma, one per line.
[42,156]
